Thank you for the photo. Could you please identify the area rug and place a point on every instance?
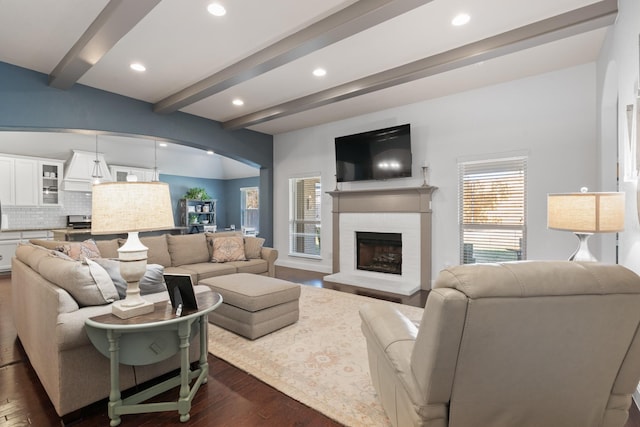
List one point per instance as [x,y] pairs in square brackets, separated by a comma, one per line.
[320,361]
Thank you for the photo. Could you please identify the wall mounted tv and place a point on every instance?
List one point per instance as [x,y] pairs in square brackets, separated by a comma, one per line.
[378,154]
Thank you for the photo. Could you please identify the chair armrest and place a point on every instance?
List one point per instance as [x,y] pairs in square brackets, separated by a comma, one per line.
[386,325]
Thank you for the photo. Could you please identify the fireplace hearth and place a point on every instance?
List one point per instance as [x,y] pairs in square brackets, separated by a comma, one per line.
[379,252]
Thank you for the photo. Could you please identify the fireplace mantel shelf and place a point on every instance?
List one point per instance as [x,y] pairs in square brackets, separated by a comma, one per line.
[376,191]
[406,199]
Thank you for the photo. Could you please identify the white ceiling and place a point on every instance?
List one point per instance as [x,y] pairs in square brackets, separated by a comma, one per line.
[181,44]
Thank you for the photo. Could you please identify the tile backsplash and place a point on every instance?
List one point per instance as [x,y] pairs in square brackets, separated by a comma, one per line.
[37,217]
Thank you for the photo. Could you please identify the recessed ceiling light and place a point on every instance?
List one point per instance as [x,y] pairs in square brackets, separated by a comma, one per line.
[210,152]
[162,144]
[136,66]
[238,102]
[460,19]
[216,9]
[319,72]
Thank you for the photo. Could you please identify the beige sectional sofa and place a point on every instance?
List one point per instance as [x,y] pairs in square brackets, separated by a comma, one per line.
[53,295]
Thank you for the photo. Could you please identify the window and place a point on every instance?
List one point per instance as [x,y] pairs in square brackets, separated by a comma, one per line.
[492,210]
[304,216]
[249,209]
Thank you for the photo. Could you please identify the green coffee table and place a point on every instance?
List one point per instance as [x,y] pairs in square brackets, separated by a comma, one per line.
[151,338]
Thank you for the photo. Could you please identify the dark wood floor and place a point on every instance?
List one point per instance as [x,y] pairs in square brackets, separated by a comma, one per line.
[231,397]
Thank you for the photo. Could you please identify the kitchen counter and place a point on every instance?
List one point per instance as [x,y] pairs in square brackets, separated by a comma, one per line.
[70,234]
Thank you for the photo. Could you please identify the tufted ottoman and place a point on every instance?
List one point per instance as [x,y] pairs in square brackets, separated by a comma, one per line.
[253,305]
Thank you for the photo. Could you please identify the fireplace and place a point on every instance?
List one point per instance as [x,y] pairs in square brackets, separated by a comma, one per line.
[379,252]
[403,212]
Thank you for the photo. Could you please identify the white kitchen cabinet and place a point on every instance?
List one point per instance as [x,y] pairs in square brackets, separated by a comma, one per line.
[26,182]
[50,178]
[119,173]
[9,241]
[7,181]
[8,244]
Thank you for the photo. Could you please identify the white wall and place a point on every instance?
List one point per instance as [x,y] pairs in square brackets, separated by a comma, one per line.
[618,74]
[551,117]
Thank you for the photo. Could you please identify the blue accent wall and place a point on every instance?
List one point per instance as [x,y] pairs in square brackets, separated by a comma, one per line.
[27,102]
[232,199]
[178,186]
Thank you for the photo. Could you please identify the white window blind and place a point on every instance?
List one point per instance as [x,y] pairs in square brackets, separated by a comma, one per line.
[492,210]
[304,217]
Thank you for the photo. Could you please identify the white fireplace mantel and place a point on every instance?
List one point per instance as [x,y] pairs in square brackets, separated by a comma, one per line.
[406,210]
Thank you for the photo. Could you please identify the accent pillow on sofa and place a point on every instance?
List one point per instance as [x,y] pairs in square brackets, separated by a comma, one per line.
[253,247]
[75,250]
[151,283]
[80,250]
[187,249]
[227,249]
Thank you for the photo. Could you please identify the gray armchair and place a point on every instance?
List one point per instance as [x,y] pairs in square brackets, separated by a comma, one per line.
[538,343]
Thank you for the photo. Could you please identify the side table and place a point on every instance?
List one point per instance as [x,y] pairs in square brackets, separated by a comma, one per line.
[151,338]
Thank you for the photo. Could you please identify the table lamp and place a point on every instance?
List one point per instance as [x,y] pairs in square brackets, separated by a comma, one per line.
[585,213]
[131,207]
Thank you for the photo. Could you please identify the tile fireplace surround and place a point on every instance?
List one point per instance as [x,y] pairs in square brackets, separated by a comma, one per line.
[396,210]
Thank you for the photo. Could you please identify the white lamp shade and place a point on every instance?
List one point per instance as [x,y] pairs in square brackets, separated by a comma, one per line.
[121,207]
[586,212]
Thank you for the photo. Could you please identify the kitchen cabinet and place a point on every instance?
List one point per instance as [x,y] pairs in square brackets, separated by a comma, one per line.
[197,212]
[7,181]
[27,181]
[50,179]
[9,241]
[119,173]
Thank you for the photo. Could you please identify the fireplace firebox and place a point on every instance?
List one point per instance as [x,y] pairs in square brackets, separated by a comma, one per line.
[379,252]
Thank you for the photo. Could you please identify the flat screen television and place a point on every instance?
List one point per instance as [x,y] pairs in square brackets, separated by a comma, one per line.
[377,154]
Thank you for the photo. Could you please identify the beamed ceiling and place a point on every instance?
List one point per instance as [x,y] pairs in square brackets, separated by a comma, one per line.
[377,53]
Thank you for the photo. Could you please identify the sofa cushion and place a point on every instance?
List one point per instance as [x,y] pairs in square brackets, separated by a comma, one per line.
[253,247]
[187,249]
[70,275]
[108,248]
[150,283]
[255,266]
[158,250]
[227,249]
[204,270]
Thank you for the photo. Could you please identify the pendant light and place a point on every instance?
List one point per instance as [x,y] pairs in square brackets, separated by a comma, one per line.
[95,174]
[156,174]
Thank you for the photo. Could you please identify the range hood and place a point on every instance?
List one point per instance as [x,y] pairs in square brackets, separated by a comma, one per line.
[79,168]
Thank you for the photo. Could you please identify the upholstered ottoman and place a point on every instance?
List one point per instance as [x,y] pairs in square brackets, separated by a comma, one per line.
[253,305]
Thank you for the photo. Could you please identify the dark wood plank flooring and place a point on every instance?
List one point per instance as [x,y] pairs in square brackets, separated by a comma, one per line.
[231,397]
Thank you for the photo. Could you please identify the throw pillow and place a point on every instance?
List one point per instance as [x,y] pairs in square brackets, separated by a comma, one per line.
[103,282]
[80,250]
[151,283]
[78,279]
[228,249]
[253,247]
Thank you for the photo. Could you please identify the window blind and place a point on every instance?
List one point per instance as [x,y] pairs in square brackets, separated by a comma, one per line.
[492,210]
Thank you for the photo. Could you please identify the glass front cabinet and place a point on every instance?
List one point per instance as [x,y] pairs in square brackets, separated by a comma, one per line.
[50,176]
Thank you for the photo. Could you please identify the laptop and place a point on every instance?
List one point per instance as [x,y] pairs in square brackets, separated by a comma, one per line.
[180,288]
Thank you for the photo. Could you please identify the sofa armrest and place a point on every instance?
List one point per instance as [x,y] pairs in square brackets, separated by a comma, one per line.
[270,255]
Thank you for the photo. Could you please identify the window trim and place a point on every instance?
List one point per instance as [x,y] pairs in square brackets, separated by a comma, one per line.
[292,211]
[505,164]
